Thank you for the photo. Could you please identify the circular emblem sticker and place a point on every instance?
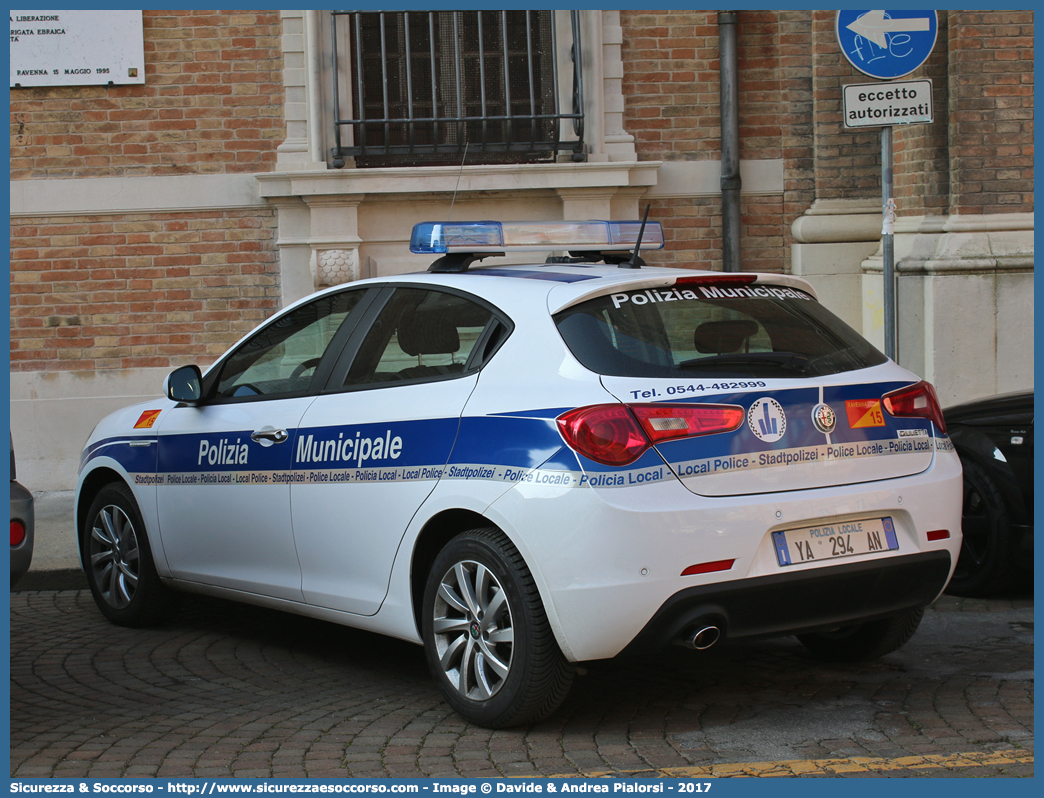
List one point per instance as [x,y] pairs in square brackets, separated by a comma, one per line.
[824,418]
[767,420]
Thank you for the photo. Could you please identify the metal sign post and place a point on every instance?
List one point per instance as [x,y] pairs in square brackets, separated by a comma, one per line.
[887,45]
[887,245]
[884,105]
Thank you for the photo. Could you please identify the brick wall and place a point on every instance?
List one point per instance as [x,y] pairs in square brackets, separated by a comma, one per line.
[692,227]
[135,291]
[672,107]
[847,162]
[150,290]
[977,157]
[212,102]
[921,153]
[796,93]
[991,111]
[671,82]
[132,291]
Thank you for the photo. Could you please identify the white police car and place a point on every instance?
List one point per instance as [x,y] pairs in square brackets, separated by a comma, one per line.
[526,466]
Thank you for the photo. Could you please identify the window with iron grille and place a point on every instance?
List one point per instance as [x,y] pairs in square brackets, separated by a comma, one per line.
[433,87]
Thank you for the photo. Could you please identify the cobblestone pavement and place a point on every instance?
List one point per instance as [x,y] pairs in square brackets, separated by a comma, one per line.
[229,690]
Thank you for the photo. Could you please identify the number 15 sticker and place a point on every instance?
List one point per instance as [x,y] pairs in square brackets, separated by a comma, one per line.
[864,413]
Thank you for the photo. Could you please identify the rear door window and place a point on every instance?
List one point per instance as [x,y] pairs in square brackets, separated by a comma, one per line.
[420,335]
[713,330]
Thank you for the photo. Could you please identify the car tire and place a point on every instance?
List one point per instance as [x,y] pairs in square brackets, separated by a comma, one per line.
[864,641]
[487,639]
[985,564]
[118,561]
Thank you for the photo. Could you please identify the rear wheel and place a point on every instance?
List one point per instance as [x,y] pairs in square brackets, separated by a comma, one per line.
[864,641]
[487,639]
[985,564]
[118,561]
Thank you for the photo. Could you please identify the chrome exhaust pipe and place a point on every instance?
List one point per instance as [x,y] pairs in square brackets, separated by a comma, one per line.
[704,639]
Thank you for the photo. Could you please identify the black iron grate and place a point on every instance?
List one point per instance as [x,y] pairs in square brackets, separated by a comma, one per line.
[425,85]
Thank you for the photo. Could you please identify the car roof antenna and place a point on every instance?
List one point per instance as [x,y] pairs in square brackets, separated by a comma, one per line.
[449,215]
[636,262]
[456,261]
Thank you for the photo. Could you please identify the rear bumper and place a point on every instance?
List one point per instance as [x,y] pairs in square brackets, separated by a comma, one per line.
[608,560]
[783,604]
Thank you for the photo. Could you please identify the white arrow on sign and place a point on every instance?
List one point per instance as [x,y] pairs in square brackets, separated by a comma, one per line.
[874,26]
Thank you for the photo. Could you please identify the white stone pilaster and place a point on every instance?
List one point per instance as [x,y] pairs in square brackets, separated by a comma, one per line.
[831,241]
[964,302]
[586,203]
[334,238]
[302,81]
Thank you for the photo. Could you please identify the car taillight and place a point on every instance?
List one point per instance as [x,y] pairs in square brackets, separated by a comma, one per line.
[918,400]
[667,422]
[17,533]
[607,434]
[619,434]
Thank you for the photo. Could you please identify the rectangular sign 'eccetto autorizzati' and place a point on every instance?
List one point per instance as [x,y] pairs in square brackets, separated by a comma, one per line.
[905,102]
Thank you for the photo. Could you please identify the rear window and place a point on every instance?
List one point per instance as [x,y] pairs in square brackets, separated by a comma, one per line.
[713,330]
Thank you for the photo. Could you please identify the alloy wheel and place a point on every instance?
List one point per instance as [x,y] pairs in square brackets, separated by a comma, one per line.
[114,556]
[473,632]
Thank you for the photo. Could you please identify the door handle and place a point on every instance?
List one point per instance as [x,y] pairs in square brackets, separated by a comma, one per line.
[267,436]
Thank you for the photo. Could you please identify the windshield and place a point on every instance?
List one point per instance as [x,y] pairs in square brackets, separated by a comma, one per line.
[712,330]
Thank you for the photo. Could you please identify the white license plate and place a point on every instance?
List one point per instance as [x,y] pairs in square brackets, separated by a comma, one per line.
[831,541]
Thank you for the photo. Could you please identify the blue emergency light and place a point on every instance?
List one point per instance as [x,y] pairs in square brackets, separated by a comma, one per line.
[441,238]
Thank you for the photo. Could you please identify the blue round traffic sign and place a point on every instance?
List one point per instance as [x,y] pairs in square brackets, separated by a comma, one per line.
[887,44]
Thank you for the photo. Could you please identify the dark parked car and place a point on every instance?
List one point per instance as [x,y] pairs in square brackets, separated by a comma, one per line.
[994,437]
[21,525]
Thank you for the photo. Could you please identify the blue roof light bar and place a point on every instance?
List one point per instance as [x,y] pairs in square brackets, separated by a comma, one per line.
[441,238]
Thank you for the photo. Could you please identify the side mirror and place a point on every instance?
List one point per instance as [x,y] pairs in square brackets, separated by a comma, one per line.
[184,385]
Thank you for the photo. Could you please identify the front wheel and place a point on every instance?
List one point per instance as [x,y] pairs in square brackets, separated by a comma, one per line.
[864,641]
[118,561]
[487,639]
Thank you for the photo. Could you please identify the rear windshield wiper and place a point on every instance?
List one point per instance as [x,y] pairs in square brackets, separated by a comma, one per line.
[787,361]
